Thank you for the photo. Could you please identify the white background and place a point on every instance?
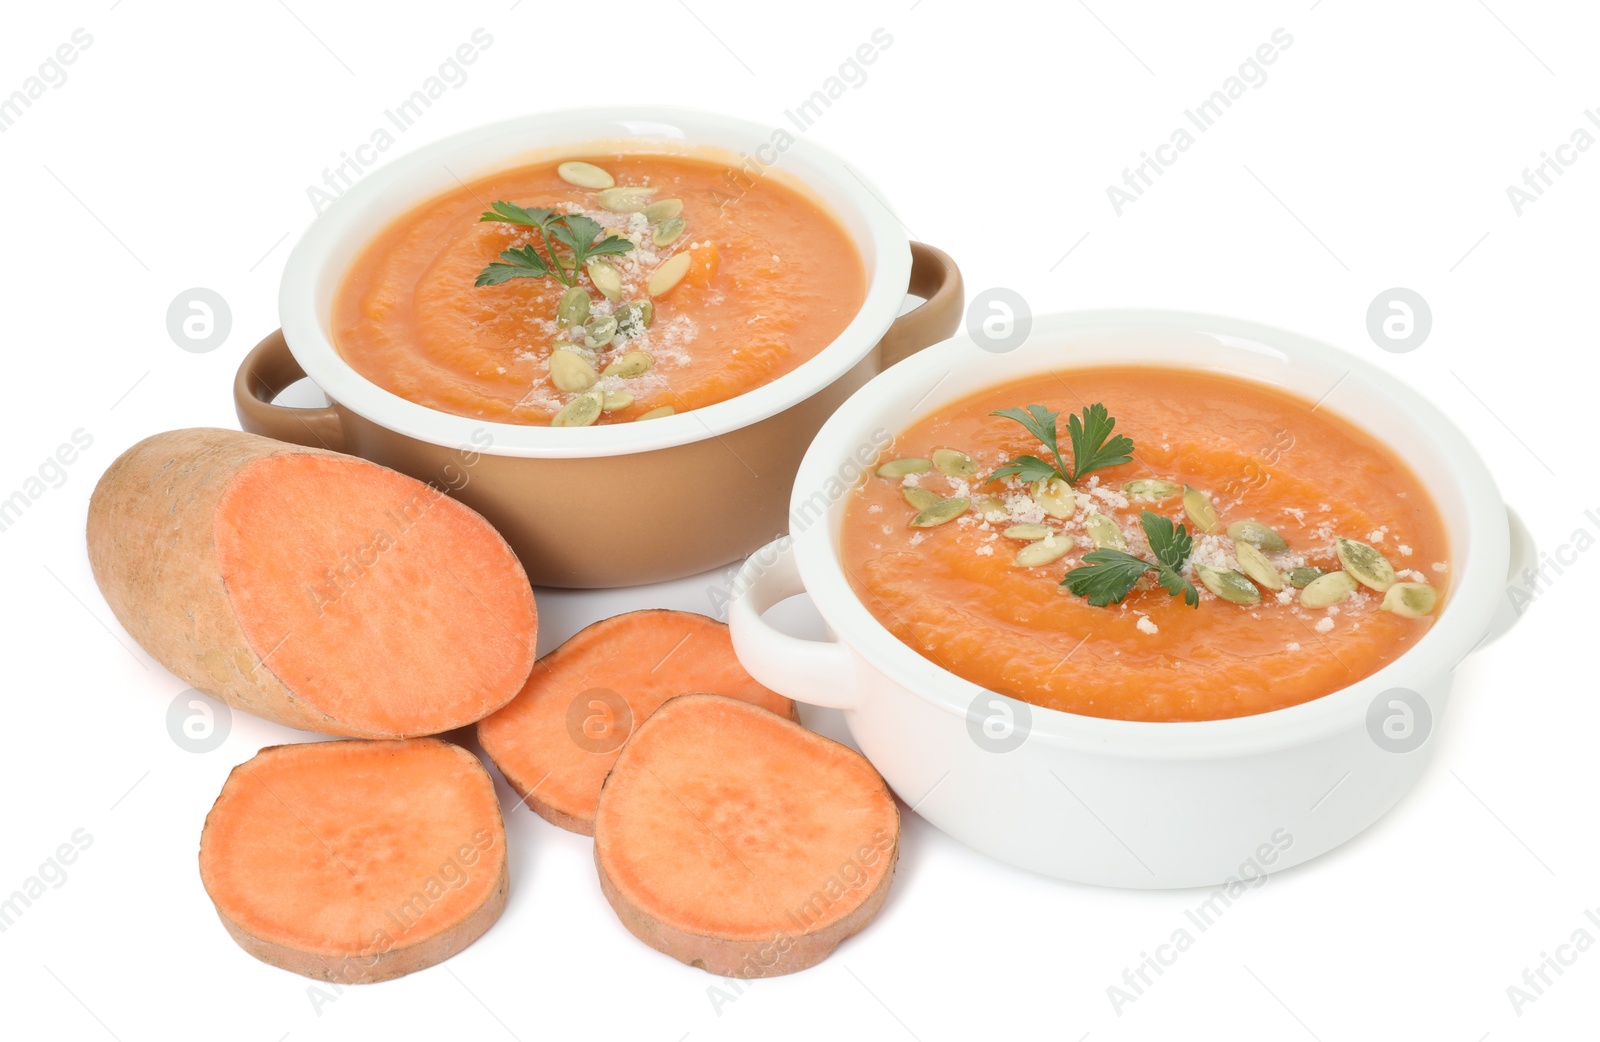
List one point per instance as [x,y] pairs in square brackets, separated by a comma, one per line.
[1376,154]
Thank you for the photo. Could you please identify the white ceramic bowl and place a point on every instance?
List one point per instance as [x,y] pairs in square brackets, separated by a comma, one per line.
[318,263]
[1114,802]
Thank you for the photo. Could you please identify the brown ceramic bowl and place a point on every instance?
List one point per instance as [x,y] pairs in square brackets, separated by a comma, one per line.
[620,504]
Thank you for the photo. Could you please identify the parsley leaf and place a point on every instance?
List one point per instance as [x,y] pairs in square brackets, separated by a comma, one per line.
[1091,450]
[1093,447]
[511,213]
[1028,468]
[1041,423]
[1171,544]
[576,232]
[523,262]
[1174,583]
[1108,576]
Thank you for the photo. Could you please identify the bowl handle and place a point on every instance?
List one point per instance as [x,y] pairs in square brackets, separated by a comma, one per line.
[936,279]
[817,672]
[262,376]
[1524,558]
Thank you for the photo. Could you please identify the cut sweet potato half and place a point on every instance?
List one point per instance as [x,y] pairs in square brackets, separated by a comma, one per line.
[311,588]
[739,842]
[356,861]
[557,739]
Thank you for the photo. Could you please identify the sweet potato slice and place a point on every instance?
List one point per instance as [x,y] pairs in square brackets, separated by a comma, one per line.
[557,739]
[311,588]
[356,861]
[739,842]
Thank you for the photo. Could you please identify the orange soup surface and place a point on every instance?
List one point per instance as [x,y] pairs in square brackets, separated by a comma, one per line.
[954,593]
[771,280]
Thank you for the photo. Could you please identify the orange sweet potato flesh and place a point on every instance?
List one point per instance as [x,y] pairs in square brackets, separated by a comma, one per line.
[356,861]
[557,739]
[739,842]
[311,588]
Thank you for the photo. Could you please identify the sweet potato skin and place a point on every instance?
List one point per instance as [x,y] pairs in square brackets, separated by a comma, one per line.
[147,560]
[366,967]
[153,548]
[788,946]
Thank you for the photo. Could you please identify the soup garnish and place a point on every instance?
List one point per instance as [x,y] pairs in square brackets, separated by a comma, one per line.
[1110,572]
[599,290]
[1139,560]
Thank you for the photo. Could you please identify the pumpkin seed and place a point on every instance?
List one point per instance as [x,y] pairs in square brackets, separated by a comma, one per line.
[629,199]
[1327,590]
[599,332]
[1254,563]
[573,310]
[657,413]
[1366,564]
[662,209]
[991,508]
[899,468]
[1104,533]
[611,401]
[1056,496]
[580,412]
[1300,578]
[1050,548]
[571,372]
[606,279]
[1027,532]
[941,512]
[1410,600]
[1257,534]
[1151,488]
[630,365]
[1229,585]
[1197,505]
[668,275]
[667,231]
[584,175]
[920,498]
[635,317]
[955,464]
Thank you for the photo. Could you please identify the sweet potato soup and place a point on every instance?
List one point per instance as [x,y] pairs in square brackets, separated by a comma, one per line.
[1175,545]
[597,290]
